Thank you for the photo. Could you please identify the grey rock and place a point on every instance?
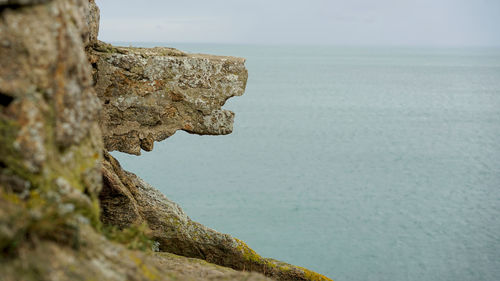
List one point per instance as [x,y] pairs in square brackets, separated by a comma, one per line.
[149,94]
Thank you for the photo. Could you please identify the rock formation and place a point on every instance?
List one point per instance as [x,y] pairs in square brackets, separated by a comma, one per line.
[65,98]
[149,94]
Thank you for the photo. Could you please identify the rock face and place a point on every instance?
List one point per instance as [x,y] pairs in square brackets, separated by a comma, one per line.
[149,94]
[60,198]
[50,138]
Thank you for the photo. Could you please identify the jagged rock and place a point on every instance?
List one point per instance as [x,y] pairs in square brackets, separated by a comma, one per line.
[149,94]
[128,200]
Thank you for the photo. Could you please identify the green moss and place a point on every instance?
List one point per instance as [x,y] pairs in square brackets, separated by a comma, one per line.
[33,219]
[94,213]
[83,159]
[8,155]
[105,48]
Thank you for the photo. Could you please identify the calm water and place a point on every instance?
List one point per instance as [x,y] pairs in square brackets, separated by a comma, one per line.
[358,163]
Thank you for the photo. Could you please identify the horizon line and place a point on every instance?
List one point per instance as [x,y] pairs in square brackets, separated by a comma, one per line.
[310,44]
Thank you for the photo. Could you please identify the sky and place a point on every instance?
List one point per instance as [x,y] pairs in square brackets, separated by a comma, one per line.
[315,22]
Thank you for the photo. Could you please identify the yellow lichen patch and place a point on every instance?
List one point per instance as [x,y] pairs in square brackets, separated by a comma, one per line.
[284,268]
[10,197]
[150,273]
[313,276]
[248,253]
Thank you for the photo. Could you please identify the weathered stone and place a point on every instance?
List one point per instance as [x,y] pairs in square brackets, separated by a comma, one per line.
[42,56]
[149,94]
[48,111]
[127,200]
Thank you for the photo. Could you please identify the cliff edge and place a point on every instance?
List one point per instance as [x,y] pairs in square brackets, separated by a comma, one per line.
[68,211]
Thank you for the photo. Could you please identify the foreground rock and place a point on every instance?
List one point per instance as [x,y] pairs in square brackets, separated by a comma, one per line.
[49,254]
[50,141]
[127,200]
[149,94]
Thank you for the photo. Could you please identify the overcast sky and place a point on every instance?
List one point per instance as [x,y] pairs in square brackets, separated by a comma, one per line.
[339,22]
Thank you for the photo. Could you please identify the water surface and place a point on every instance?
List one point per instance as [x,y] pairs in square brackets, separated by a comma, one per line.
[358,163]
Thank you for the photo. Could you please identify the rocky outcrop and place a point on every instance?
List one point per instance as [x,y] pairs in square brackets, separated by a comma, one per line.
[149,94]
[60,198]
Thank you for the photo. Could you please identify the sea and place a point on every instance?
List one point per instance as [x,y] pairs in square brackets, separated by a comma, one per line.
[360,163]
